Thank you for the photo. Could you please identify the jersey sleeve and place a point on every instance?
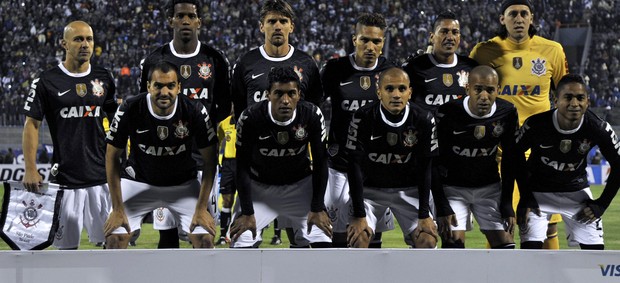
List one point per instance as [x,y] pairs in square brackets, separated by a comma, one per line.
[205,130]
[238,88]
[245,137]
[109,105]
[358,132]
[222,88]
[145,65]
[512,160]
[35,101]
[328,79]
[610,148]
[319,160]
[314,93]
[560,66]
[118,134]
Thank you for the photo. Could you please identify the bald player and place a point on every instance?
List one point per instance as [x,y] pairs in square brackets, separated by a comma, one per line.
[390,145]
[73,97]
[470,131]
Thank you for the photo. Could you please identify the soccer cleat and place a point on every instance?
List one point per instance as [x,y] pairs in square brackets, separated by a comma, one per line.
[222,241]
[276,241]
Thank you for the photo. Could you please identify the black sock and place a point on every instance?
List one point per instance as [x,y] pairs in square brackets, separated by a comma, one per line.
[531,245]
[224,223]
[168,239]
[592,247]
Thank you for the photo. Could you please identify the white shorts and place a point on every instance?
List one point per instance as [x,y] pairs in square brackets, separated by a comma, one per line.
[288,202]
[141,198]
[566,204]
[338,204]
[482,202]
[82,208]
[403,202]
[164,220]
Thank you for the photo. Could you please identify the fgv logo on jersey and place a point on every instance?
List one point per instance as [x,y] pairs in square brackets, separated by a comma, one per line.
[610,269]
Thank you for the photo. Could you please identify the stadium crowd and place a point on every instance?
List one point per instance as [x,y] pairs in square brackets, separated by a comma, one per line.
[126,30]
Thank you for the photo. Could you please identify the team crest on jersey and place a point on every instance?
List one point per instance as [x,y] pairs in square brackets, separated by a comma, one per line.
[517,62]
[282,137]
[538,67]
[392,138]
[333,149]
[159,214]
[97,88]
[186,71]
[365,82]
[54,169]
[300,132]
[30,216]
[181,131]
[59,233]
[498,129]
[565,145]
[410,138]
[299,72]
[463,77]
[204,71]
[480,132]
[81,89]
[448,80]
[584,147]
[162,132]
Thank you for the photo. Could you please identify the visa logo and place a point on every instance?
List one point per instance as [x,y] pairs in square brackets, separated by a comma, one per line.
[610,269]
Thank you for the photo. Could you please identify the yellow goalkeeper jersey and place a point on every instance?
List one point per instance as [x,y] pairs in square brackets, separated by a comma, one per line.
[527,70]
[227,134]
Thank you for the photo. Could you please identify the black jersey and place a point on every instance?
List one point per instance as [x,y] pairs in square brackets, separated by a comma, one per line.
[160,152]
[250,76]
[389,150]
[350,87]
[435,84]
[74,105]
[277,153]
[469,143]
[204,75]
[557,162]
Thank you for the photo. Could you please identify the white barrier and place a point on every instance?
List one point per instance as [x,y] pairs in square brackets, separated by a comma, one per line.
[331,265]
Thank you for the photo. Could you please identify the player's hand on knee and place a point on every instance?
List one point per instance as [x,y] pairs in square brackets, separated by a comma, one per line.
[359,233]
[444,225]
[321,220]
[242,224]
[509,224]
[203,218]
[426,225]
[116,219]
[590,213]
[523,210]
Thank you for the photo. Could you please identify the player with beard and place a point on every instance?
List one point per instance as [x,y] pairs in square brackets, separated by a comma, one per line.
[274,174]
[390,146]
[160,170]
[204,76]
[74,97]
[350,83]
[557,181]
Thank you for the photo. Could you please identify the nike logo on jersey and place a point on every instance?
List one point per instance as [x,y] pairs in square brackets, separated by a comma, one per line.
[429,80]
[345,83]
[546,146]
[142,131]
[458,132]
[372,138]
[256,76]
[263,138]
[63,93]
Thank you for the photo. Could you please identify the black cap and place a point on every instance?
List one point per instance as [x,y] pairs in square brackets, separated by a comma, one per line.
[508,3]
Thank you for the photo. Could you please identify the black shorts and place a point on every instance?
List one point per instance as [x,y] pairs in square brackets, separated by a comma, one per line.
[228,174]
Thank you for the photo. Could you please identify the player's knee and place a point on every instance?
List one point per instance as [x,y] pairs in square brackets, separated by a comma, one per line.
[201,241]
[592,247]
[117,241]
[425,241]
[531,245]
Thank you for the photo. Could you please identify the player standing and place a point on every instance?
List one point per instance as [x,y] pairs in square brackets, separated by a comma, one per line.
[73,97]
